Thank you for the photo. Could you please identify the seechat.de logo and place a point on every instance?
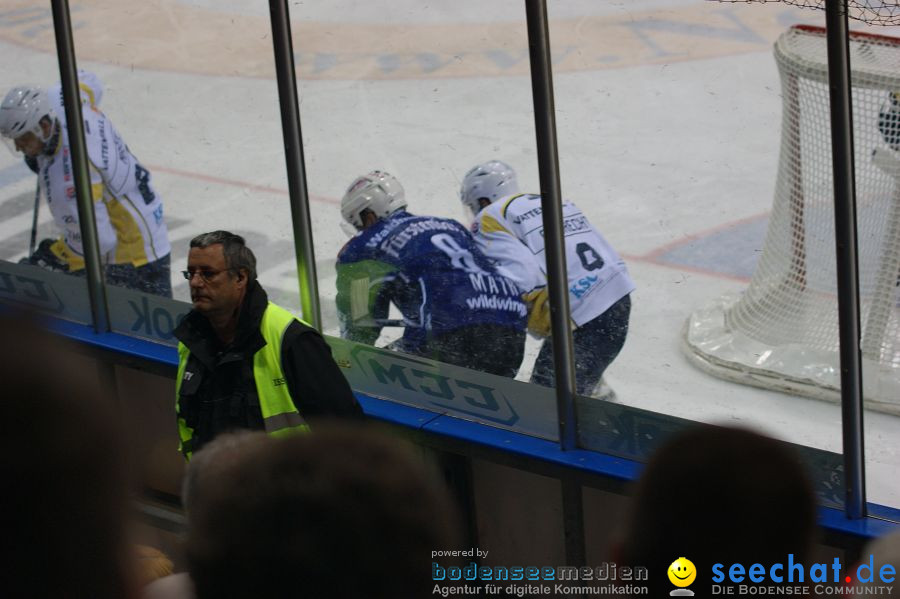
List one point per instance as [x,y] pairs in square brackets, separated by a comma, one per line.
[681,574]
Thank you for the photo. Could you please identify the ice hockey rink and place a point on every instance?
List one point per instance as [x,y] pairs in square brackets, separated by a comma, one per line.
[668,116]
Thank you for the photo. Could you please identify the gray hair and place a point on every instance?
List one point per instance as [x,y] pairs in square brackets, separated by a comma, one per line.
[237,255]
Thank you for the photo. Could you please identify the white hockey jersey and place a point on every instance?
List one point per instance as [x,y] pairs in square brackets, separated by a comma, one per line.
[128,210]
[511,232]
[89,86]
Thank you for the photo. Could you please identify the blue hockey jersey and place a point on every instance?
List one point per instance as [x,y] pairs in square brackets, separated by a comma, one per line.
[431,269]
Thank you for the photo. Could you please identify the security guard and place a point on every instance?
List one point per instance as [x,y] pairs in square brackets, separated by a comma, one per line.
[244,362]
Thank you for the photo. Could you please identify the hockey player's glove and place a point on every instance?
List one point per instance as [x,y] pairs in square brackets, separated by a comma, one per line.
[45,257]
[538,311]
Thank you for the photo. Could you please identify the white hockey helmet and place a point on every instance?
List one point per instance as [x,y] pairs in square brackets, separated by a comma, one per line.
[22,110]
[490,180]
[377,191]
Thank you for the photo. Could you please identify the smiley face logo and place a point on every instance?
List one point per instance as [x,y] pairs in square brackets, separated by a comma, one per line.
[682,572]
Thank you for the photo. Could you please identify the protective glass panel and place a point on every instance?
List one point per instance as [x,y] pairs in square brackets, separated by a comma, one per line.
[652,151]
[189,141]
[424,93]
[451,98]
[670,121]
[37,268]
[725,223]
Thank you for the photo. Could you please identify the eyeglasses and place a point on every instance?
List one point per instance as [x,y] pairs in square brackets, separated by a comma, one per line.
[206,274]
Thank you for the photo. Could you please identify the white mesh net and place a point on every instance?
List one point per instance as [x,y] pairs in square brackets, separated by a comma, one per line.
[873,12]
[782,332]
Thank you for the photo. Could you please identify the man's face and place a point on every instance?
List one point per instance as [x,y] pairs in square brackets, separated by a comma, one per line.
[29,144]
[214,289]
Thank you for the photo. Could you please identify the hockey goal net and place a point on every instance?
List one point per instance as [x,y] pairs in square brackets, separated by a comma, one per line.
[782,331]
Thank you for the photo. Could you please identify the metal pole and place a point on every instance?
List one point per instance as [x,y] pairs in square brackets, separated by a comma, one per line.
[551,207]
[557,281]
[65,50]
[296,169]
[847,258]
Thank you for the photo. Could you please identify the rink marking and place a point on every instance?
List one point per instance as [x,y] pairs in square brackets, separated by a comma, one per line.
[655,254]
[698,270]
[236,183]
[197,40]
[658,255]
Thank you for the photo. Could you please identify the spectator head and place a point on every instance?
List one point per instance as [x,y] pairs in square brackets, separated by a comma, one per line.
[211,460]
[238,257]
[342,512]
[719,495]
[220,268]
[64,515]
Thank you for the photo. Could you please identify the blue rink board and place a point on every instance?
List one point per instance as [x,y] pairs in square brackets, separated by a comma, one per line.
[522,446]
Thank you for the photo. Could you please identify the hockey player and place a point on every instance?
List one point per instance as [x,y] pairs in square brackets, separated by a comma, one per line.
[133,238]
[91,91]
[455,307]
[889,121]
[509,229]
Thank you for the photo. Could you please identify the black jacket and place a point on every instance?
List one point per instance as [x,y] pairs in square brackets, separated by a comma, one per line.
[221,395]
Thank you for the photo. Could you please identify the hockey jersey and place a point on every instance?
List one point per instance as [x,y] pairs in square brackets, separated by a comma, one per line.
[510,231]
[431,270]
[89,86]
[129,212]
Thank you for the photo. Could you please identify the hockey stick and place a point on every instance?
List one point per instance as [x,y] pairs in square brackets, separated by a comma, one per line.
[391,322]
[382,322]
[34,219]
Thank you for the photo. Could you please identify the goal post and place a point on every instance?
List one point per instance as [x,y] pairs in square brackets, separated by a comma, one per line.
[782,331]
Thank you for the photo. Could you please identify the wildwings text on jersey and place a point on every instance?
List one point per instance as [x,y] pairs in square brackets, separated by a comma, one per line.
[507,304]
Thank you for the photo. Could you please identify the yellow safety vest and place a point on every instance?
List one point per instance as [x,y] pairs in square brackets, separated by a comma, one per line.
[280,415]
